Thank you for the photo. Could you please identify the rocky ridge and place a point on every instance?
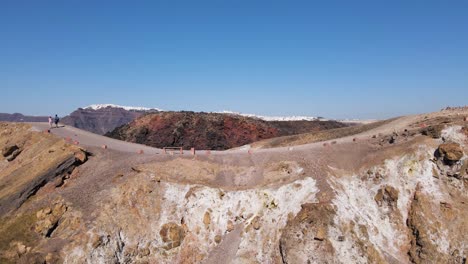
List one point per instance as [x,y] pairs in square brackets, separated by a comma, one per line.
[365,201]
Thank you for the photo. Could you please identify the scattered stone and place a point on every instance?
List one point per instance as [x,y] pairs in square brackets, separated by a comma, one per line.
[41,214]
[49,219]
[230,226]
[221,194]
[256,223]
[218,239]
[450,152]
[446,205]
[320,235]
[386,194]
[21,249]
[207,219]
[49,258]
[136,170]
[144,252]
[172,234]
[341,238]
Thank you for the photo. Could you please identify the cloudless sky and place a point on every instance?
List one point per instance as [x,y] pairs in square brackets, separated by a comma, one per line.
[338,59]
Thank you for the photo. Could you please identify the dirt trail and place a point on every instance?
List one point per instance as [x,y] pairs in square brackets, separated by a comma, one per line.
[86,138]
[89,139]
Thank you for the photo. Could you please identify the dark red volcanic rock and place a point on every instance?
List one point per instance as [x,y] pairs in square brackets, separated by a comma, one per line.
[100,121]
[209,130]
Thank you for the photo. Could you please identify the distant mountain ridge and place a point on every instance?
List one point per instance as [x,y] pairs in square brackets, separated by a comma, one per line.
[101,119]
[17,117]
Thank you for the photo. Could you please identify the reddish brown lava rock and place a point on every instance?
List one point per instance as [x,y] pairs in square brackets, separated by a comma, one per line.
[209,130]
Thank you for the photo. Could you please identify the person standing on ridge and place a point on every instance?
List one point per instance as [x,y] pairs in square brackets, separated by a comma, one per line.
[56,120]
[50,122]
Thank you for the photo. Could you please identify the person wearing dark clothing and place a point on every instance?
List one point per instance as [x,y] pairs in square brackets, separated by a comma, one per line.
[56,120]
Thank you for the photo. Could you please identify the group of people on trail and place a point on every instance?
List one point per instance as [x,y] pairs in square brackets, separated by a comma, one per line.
[55,120]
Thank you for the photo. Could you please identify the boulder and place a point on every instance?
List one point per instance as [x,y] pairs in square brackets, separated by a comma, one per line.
[450,152]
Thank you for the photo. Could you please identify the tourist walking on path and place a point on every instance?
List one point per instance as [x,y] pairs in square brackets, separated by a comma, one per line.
[56,120]
[50,122]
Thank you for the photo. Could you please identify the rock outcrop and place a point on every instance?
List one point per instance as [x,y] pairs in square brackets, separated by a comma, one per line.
[43,159]
[450,152]
[17,117]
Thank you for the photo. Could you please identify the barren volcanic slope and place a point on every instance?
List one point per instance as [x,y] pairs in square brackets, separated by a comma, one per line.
[102,120]
[398,197]
[209,130]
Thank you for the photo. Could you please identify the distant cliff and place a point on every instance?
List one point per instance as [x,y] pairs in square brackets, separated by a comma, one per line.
[102,120]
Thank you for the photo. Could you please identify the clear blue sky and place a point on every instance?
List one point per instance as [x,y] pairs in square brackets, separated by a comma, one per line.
[338,59]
